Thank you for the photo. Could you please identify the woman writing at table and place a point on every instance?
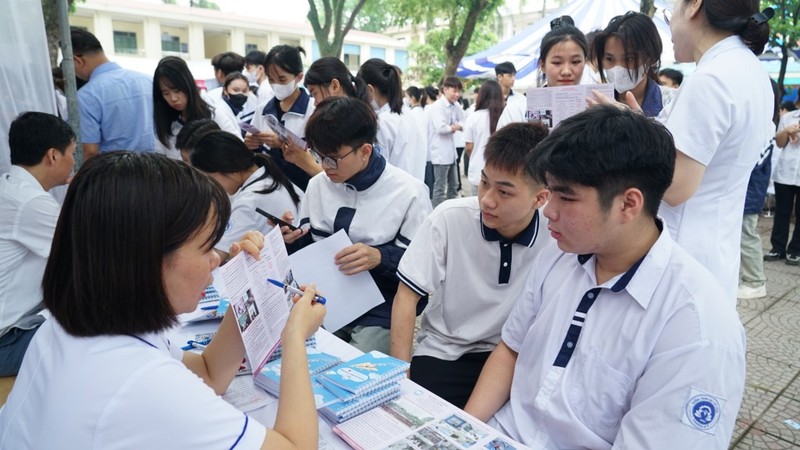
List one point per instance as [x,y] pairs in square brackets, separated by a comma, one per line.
[102,374]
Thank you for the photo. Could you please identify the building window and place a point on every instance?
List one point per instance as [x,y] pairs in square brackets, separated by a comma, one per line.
[125,42]
[352,56]
[377,52]
[250,48]
[171,43]
[401,59]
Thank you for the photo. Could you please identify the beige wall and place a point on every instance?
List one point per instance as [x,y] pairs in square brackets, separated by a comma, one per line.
[217,42]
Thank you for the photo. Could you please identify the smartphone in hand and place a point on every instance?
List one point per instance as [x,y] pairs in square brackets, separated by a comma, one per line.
[276,220]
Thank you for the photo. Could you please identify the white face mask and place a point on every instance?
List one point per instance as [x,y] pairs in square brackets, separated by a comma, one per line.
[282,91]
[621,78]
[251,76]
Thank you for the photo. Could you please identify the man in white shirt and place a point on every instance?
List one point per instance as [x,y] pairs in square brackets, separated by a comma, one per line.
[446,117]
[620,338]
[42,157]
[256,72]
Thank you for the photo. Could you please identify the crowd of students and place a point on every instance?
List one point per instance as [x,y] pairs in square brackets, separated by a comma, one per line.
[583,297]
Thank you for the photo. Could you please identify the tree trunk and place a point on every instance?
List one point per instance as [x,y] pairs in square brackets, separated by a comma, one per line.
[50,12]
[784,63]
[456,48]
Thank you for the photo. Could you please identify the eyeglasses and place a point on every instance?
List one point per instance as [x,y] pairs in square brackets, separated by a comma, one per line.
[333,163]
[667,15]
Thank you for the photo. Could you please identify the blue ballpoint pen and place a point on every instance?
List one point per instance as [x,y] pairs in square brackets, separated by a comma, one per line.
[317,298]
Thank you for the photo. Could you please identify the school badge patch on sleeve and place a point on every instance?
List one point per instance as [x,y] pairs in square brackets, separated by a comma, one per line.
[702,411]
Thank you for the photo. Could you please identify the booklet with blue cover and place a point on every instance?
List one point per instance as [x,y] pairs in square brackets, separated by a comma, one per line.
[365,373]
[270,376]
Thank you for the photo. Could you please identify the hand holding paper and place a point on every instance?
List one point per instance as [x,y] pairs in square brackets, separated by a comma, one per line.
[357,258]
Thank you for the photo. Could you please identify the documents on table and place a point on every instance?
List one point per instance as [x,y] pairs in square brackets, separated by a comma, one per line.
[244,396]
[348,296]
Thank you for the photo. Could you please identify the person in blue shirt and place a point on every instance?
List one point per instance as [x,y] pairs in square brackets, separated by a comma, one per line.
[115,105]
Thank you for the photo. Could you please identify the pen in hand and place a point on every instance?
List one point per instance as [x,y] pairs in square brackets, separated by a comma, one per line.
[317,298]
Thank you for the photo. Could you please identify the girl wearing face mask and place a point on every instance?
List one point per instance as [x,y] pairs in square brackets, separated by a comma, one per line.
[628,55]
[236,94]
[394,139]
[177,100]
[292,106]
[562,59]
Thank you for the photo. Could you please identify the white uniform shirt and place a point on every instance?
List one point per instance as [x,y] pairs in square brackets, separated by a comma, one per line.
[475,276]
[243,208]
[222,115]
[28,216]
[415,130]
[722,118]
[659,363]
[294,119]
[514,112]
[247,109]
[264,93]
[787,170]
[395,143]
[116,392]
[477,131]
[442,114]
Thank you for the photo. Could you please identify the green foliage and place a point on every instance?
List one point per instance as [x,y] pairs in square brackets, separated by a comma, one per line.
[784,29]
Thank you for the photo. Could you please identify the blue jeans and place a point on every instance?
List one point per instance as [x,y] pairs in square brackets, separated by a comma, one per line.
[445,182]
[12,349]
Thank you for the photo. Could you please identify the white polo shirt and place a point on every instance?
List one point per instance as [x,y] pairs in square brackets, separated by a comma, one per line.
[243,208]
[787,170]
[477,131]
[475,276]
[116,392]
[441,115]
[514,112]
[656,362]
[722,118]
[28,216]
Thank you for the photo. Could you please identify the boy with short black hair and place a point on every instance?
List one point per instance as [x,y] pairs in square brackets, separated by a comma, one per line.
[473,254]
[620,337]
[445,118]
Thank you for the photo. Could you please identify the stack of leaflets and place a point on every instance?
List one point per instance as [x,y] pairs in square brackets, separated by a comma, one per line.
[361,384]
[269,378]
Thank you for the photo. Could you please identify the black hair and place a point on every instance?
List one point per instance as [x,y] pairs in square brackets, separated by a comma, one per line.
[223,152]
[740,17]
[324,130]
[509,147]
[415,93]
[255,58]
[490,97]
[505,67]
[789,106]
[286,57]
[561,22]
[559,34]
[192,131]
[231,77]
[327,69]
[673,74]
[610,149]
[640,39]
[228,62]
[97,283]
[175,73]
[84,42]
[431,94]
[452,81]
[387,79]
[32,134]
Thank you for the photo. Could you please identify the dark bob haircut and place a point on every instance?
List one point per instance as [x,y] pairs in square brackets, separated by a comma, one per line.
[509,147]
[640,39]
[324,130]
[611,150]
[125,212]
[32,134]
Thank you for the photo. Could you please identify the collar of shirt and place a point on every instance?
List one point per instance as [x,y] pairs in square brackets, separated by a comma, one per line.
[382,109]
[300,105]
[526,238]
[641,279]
[653,102]
[727,44]
[103,68]
[367,177]
[22,175]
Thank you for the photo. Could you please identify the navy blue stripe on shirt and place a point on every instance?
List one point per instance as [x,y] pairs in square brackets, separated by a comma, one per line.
[403,240]
[244,428]
[320,233]
[411,284]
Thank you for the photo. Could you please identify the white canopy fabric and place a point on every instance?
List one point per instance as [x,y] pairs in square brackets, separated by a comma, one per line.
[523,48]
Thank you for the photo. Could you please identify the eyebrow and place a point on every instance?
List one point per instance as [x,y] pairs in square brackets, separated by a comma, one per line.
[501,182]
[561,188]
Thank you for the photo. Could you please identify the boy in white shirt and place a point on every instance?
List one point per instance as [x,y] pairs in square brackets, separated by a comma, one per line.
[620,338]
[474,255]
[42,149]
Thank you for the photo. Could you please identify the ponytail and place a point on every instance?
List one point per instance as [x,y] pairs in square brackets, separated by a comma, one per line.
[386,78]
[740,17]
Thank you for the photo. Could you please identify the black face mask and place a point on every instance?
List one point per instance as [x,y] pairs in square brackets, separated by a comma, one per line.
[237,100]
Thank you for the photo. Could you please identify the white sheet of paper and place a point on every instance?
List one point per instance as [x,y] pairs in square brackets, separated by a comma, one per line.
[349,296]
[245,396]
